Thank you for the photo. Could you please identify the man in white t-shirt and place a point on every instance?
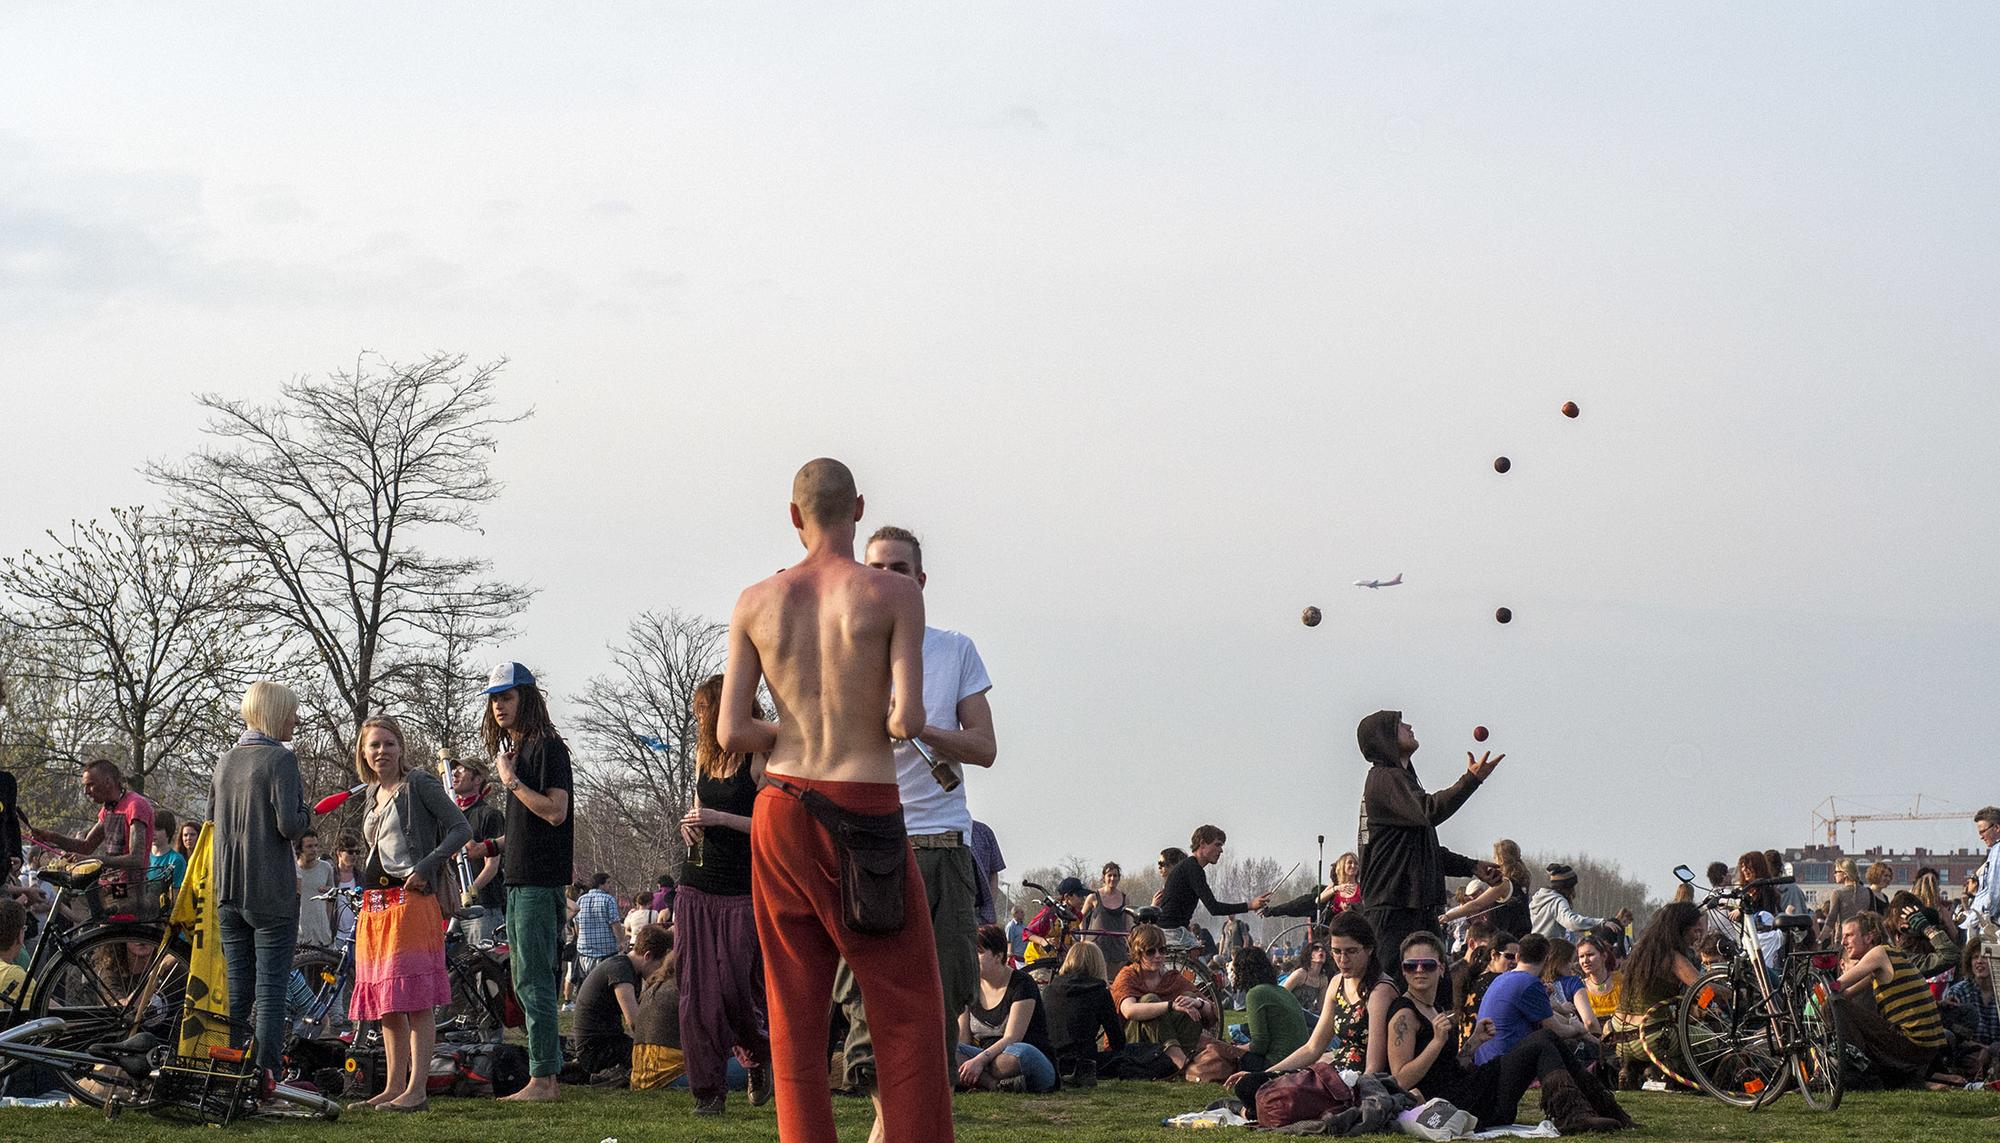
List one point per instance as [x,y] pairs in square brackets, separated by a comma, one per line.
[958,730]
[315,877]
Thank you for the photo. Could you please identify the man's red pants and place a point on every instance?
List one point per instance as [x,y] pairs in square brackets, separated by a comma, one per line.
[795,885]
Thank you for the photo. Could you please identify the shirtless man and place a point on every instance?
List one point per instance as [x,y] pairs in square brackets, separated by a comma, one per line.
[836,639]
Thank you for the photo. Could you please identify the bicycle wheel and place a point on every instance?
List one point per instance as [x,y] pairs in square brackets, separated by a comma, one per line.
[1298,936]
[1728,1040]
[1202,981]
[1816,1052]
[475,997]
[97,986]
[316,996]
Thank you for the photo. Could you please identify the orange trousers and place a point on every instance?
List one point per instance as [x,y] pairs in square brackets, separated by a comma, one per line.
[795,887]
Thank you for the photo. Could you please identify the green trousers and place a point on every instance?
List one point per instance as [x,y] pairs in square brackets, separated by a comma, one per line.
[534,939]
[951,887]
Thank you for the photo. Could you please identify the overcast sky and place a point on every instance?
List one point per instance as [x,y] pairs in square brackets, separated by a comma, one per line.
[1159,323]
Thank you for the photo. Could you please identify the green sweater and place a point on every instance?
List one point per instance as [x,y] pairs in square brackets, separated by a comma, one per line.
[1278,1026]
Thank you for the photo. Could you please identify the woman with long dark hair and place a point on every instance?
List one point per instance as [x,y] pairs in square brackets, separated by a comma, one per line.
[1661,966]
[715,932]
[1424,1054]
[1353,1022]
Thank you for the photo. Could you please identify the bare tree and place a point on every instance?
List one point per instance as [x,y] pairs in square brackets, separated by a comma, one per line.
[141,621]
[326,497]
[47,723]
[638,728]
[438,688]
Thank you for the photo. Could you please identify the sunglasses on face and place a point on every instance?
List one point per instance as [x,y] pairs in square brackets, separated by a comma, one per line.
[1509,956]
[1422,964]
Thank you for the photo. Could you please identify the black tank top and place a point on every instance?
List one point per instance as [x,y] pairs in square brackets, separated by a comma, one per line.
[1446,1076]
[725,853]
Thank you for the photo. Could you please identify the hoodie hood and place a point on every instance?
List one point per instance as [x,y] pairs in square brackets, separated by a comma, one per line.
[1378,735]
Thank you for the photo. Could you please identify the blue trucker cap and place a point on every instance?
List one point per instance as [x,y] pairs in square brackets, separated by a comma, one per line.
[507,676]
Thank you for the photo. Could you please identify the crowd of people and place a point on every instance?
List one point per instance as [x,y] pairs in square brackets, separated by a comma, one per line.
[838,905]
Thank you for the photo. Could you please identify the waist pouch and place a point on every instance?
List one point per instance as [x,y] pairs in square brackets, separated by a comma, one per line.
[873,852]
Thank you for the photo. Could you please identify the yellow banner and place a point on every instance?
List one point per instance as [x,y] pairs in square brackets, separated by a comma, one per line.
[205,1014]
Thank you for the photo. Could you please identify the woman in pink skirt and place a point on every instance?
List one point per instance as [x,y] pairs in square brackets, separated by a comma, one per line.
[411,828]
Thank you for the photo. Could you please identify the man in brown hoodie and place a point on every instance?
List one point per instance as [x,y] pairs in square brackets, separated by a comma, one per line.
[1403,866]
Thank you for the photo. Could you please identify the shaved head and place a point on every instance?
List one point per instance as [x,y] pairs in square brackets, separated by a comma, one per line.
[824,492]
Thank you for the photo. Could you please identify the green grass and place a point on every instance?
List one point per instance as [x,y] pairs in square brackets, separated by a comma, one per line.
[1113,1113]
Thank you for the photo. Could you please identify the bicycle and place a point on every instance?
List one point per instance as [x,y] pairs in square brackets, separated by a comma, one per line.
[143,1072]
[116,971]
[103,1027]
[1747,1033]
[1185,959]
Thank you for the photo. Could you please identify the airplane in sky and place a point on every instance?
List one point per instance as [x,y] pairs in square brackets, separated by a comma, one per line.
[1380,582]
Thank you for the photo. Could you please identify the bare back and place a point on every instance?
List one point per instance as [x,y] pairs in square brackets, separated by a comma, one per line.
[834,638]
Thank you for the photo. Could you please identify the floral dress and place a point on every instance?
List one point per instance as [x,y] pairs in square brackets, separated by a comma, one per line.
[1349,1046]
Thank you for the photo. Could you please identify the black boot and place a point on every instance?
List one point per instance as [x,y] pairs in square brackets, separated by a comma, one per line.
[1600,1098]
[1566,1107]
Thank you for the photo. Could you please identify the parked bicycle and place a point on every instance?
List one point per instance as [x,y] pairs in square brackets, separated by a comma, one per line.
[104,966]
[1748,1032]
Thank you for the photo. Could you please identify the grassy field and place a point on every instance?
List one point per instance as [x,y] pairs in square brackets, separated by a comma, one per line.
[1113,1113]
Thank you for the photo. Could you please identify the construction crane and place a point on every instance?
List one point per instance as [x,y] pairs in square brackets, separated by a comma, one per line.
[1830,815]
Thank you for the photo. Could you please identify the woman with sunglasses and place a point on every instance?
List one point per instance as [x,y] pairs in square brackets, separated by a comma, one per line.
[1425,1056]
[1352,1030]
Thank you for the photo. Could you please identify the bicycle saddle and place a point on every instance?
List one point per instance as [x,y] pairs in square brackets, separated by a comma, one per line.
[133,1054]
[471,912]
[77,878]
[1793,921]
[1147,914]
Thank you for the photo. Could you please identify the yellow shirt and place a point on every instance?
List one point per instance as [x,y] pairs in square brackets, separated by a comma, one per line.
[12,978]
[1605,1003]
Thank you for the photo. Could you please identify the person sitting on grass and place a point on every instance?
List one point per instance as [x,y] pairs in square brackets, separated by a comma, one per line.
[1969,1012]
[657,1058]
[1660,968]
[1901,1032]
[1277,1022]
[1004,1034]
[1518,1004]
[1352,1031]
[608,1001]
[13,929]
[1930,944]
[1159,1004]
[1080,1010]
[1424,1055]
[1308,982]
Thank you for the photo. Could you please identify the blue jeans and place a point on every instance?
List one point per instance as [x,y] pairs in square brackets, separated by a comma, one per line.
[257,954]
[1036,1069]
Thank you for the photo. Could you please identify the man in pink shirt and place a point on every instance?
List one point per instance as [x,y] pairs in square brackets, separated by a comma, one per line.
[124,825]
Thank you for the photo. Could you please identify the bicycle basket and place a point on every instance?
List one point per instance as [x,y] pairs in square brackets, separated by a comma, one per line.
[144,900]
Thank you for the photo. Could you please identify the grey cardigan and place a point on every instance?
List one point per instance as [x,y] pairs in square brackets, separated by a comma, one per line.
[259,808]
[433,825]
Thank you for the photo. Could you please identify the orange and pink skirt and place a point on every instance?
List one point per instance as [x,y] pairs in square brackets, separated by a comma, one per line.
[398,955]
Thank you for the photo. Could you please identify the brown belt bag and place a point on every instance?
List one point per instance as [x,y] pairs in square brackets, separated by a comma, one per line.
[874,853]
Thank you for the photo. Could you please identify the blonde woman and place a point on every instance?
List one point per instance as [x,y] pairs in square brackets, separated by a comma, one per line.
[1345,892]
[1850,897]
[411,828]
[1505,900]
[259,808]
